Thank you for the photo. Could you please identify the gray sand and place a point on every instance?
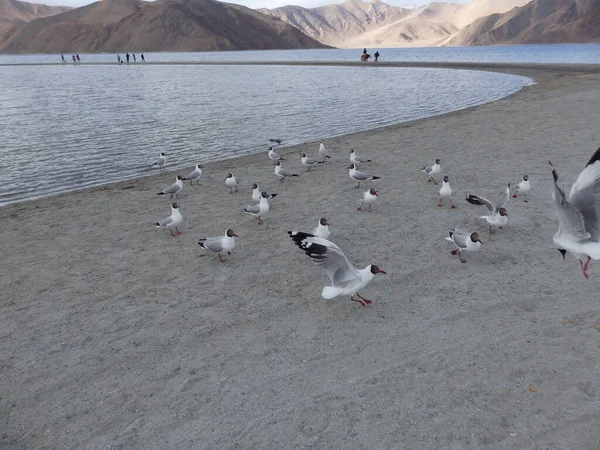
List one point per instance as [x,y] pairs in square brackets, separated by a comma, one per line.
[114,335]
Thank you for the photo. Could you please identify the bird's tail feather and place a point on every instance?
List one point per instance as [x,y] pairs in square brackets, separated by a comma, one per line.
[329,292]
[376,178]
[161,193]
[157,225]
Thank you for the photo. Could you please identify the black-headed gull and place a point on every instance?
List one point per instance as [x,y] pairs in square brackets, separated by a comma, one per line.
[579,215]
[195,174]
[281,173]
[433,170]
[369,197]
[173,189]
[231,182]
[173,221]
[463,241]
[446,192]
[357,159]
[309,162]
[275,141]
[523,188]
[323,152]
[161,161]
[260,209]
[498,216]
[274,156]
[345,278]
[359,176]
[256,193]
[322,229]
[219,244]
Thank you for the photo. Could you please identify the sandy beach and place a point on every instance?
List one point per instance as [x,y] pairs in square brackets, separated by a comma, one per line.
[114,335]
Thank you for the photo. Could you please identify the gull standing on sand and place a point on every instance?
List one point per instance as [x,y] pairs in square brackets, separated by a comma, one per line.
[369,197]
[173,221]
[323,152]
[259,209]
[498,216]
[256,193]
[309,162]
[345,278]
[195,174]
[232,183]
[463,241]
[433,170]
[282,173]
[523,188]
[161,161]
[174,189]
[579,215]
[446,192]
[357,159]
[219,244]
[359,176]
[274,156]
[322,230]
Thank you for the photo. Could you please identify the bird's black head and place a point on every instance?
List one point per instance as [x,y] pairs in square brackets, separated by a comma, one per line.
[264,194]
[563,252]
[351,166]
[446,179]
[437,161]
[375,270]
[179,177]
[254,186]
[525,177]
[503,212]
[229,175]
[304,155]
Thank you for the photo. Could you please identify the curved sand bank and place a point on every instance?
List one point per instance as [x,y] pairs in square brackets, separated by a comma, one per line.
[115,335]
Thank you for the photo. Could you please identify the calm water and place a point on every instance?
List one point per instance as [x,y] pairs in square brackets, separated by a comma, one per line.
[66,127]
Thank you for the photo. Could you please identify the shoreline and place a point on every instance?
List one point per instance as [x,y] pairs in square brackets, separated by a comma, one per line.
[116,335]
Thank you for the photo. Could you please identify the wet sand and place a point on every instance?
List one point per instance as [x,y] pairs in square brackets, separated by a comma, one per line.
[115,335]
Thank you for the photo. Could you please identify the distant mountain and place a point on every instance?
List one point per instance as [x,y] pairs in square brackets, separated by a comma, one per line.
[356,23]
[14,12]
[541,21]
[163,25]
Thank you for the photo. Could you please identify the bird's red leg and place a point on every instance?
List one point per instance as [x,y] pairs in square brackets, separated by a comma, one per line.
[515,195]
[360,207]
[178,232]
[585,266]
[440,202]
[491,232]
[368,302]
[583,270]
[526,201]
[220,259]
[434,182]
[452,207]
[358,301]
[259,221]
[171,229]
[358,185]
[460,257]
[455,251]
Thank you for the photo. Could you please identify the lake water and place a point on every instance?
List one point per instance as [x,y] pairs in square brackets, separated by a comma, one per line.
[67,127]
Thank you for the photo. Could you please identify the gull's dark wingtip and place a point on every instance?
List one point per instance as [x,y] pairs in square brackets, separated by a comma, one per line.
[595,157]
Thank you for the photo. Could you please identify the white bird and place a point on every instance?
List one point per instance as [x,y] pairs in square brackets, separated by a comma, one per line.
[369,197]
[579,215]
[463,241]
[173,189]
[498,216]
[446,192]
[357,159]
[309,162]
[219,244]
[323,152]
[232,183]
[359,176]
[523,188]
[274,156]
[322,230]
[345,278]
[433,170]
[256,193]
[260,209]
[195,174]
[161,161]
[282,173]
[173,221]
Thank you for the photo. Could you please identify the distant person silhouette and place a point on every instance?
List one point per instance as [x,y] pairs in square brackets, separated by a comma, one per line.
[376,55]
[74,60]
[127,56]
[119,58]
[143,60]
[364,51]
[77,56]
[134,57]
[64,61]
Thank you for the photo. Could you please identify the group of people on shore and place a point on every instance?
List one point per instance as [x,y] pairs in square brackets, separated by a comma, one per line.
[365,56]
[121,61]
[75,58]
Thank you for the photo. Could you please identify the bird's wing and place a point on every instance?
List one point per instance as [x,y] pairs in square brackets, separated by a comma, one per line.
[214,244]
[358,175]
[502,200]
[166,222]
[253,209]
[171,189]
[570,220]
[459,237]
[585,196]
[481,201]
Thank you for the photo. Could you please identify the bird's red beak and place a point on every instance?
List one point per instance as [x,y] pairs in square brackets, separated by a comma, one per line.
[382,271]
[377,193]
[235,235]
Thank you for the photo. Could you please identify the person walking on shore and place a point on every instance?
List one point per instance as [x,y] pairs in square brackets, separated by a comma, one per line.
[143,60]
[119,59]
[74,60]
[127,56]
[134,57]
[64,61]
[376,55]
[77,56]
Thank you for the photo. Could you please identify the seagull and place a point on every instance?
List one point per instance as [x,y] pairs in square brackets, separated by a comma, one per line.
[175,188]
[232,182]
[360,176]
[368,197]
[345,278]
[275,141]
[161,161]
[322,230]
[173,221]
[259,209]
[323,152]
[195,174]
[309,162]
[463,241]
[446,192]
[357,159]
[274,156]
[431,171]
[219,244]
[256,193]
[579,215]
[498,215]
[523,188]
[282,173]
